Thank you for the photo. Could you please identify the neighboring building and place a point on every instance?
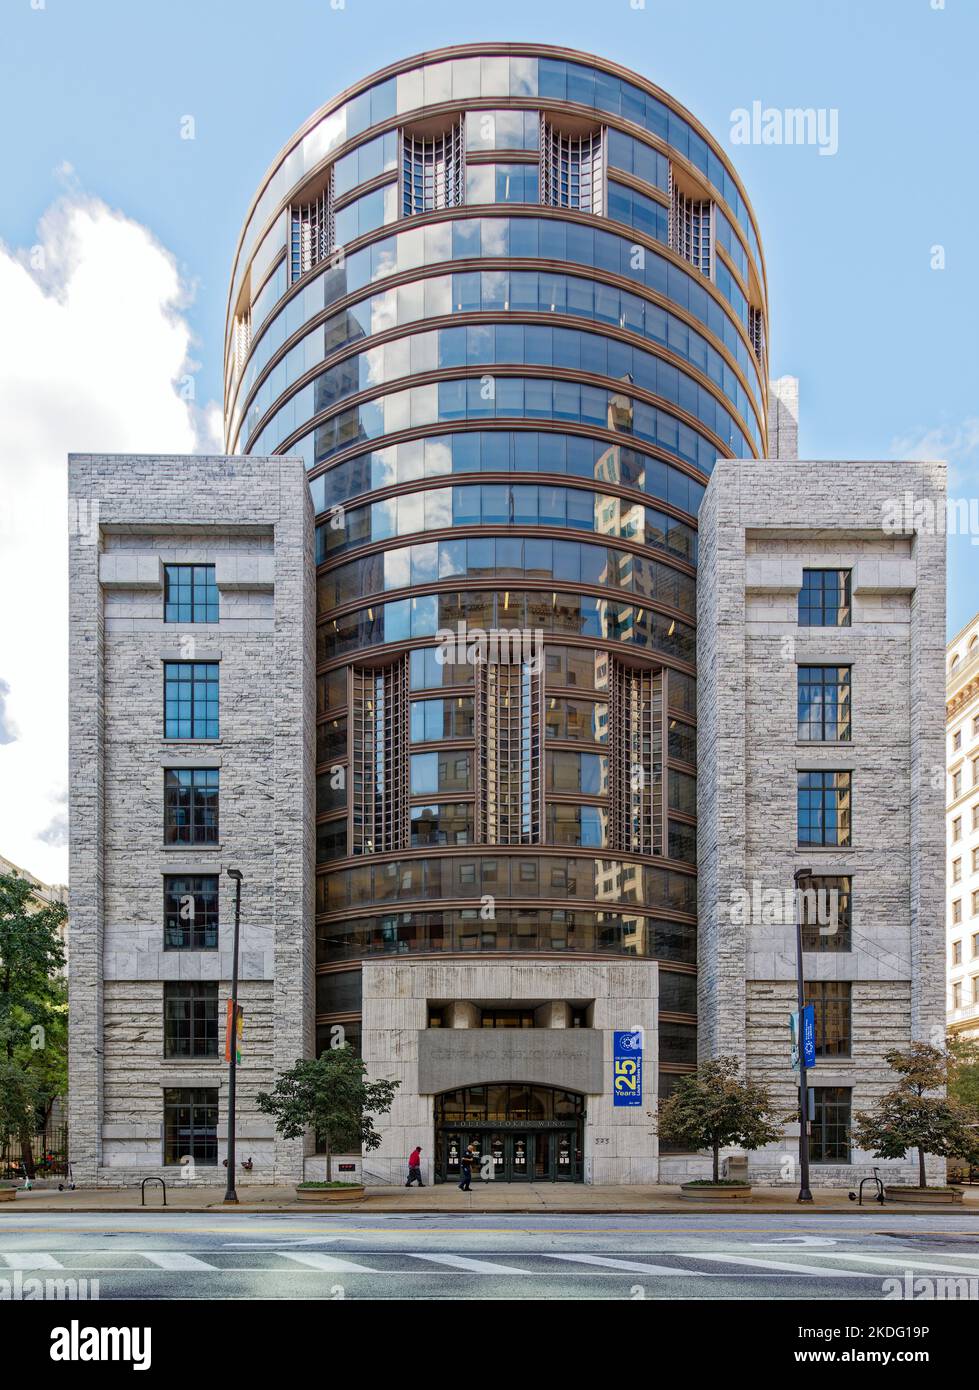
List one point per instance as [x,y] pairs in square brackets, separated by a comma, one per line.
[504,306]
[962,817]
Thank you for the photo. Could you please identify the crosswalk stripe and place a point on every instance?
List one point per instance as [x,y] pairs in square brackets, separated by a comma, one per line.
[23,1259]
[902,1262]
[478,1266]
[171,1259]
[631,1266]
[782,1266]
[331,1263]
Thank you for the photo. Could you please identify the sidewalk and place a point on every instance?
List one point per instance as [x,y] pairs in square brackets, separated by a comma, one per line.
[488,1197]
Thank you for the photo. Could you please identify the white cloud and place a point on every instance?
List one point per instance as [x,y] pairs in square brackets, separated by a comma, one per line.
[957,444]
[95,356]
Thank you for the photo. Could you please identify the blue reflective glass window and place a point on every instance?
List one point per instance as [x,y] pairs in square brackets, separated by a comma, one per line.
[552,79]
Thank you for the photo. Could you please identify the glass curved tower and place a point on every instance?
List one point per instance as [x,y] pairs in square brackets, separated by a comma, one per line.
[508,303]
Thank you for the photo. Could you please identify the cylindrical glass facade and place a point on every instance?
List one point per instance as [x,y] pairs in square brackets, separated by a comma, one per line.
[509,305]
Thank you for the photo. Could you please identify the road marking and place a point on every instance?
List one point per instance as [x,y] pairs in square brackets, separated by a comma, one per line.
[461,1262]
[631,1266]
[329,1263]
[22,1259]
[904,1262]
[173,1259]
[782,1266]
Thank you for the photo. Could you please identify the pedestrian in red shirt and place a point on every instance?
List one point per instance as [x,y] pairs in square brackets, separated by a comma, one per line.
[415,1167]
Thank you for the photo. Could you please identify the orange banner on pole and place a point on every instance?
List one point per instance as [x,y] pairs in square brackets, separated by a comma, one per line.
[239,1032]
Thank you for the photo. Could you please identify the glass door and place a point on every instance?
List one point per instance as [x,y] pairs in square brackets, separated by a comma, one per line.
[543,1156]
[497,1151]
[451,1149]
[518,1168]
[565,1155]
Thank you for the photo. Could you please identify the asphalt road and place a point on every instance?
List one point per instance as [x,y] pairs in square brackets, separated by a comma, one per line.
[877,1256]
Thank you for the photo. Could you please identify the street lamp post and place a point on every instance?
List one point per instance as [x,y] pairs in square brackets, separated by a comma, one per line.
[805,1195]
[230,1194]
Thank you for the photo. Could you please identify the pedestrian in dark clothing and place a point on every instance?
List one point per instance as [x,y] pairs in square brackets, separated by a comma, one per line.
[415,1167]
[466,1163]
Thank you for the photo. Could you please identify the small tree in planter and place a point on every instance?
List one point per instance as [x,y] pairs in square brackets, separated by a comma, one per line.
[908,1117]
[716,1106]
[332,1096]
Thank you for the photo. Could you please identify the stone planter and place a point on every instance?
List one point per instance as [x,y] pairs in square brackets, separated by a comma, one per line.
[7,1194]
[926,1196]
[706,1192]
[327,1195]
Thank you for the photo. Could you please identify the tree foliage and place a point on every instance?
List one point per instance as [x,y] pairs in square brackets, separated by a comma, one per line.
[33,1010]
[917,1114]
[716,1106]
[332,1096]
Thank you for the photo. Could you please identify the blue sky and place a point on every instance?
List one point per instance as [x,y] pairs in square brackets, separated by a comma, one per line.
[883,344]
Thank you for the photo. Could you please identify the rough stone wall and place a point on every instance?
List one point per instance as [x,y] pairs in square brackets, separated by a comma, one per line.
[761,525]
[252,518]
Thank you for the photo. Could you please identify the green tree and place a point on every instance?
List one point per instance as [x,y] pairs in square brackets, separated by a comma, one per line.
[332,1096]
[716,1106]
[963,1072]
[916,1114]
[33,1010]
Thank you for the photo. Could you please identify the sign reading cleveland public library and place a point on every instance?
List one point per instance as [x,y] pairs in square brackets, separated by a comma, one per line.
[627,1067]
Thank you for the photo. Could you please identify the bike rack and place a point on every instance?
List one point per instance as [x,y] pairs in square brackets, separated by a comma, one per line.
[880,1189]
[142,1190]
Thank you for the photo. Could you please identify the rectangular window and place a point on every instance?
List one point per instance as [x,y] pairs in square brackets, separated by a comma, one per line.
[957,791]
[826,908]
[190,1125]
[824,704]
[957,824]
[823,801]
[957,994]
[975,903]
[957,740]
[956,952]
[190,594]
[975,945]
[190,805]
[975,989]
[190,699]
[572,169]
[824,599]
[831,1002]
[190,1019]
[829,1140]
[957,910]
[957,870]
[433,171]
[190,912]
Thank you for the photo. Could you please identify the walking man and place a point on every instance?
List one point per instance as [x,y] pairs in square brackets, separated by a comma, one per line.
[415,1167]
[466,1164]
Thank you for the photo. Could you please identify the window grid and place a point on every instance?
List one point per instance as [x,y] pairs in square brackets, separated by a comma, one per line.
[190,1019]
[691,228]
[572,169]
[830,1130]
[831,1004]
[824,808]
[826,908]
[190,699]
[824,599]
[312,232]
[756,331]
[380,725]
[190,594]
[635,759]
[191,805]
[190,1125]
[190,912]
[824,704]
[509,725]
[433,171]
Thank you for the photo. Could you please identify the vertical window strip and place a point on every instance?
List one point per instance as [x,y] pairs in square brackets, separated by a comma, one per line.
[691,229]
[635,760]
[572,169]
[509,766]
[433,171]
[380,758]
[312,232]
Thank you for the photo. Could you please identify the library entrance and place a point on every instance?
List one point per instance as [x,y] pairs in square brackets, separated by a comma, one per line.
[513,1132]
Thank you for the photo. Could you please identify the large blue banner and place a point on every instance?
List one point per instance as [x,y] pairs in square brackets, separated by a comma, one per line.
[627,1068]
[809,1035]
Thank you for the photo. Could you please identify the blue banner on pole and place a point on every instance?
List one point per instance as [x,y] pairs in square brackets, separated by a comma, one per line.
[627,1068]
[809,1035]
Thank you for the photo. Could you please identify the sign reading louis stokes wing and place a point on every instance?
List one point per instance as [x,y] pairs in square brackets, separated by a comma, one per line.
[627,1067]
